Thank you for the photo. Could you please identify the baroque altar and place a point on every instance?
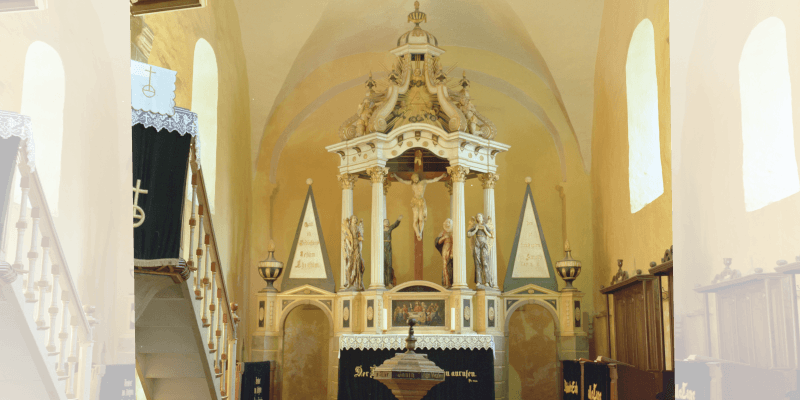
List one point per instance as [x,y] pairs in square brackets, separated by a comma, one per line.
[413,128]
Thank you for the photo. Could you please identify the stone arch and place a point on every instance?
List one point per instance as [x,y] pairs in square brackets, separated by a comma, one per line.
[431,285]
[278,379]
[547,306]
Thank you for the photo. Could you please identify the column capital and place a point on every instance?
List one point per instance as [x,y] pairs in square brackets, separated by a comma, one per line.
[376,174]
[347,181]
[458,173]
[386,184]
[449,186]
[488,180]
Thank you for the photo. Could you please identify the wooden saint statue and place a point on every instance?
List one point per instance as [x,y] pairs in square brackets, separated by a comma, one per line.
[482,237]
[353,229]
[418,205]
[444,243]
[388,272]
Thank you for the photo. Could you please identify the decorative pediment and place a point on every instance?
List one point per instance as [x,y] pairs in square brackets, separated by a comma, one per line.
[307,290]
[531,289]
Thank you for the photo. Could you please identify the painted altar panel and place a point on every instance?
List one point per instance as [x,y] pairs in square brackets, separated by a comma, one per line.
[429,312]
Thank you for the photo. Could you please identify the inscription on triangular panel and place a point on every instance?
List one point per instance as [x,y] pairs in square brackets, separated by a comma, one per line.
[308,264]
[529,261]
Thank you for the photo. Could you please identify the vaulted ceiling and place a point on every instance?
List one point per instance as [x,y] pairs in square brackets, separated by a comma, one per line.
[303,53]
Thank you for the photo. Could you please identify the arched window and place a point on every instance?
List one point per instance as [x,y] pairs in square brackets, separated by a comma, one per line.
[204,103]
[769,165]
[43,101]
[644,147]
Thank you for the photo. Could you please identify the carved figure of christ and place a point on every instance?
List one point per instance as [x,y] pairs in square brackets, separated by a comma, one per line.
[418,206]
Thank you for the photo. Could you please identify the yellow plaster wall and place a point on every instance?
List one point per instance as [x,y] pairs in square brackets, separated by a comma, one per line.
[176,34]
[306,338]
[711,221]
[642,237]
[93,222]
[533,365]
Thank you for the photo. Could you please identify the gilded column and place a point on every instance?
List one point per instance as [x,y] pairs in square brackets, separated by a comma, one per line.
[458,174]
[347,182]
[488,180]
[377,174]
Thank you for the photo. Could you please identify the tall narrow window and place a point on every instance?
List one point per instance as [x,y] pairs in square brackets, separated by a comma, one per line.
[204,103]
[43,101]
[644,147]
[769,165]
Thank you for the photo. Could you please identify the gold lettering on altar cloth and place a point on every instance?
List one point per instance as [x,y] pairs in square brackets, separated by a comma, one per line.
[308,262]
[138,212]
[360,373]
[682,393]
[593,393]
[571,387]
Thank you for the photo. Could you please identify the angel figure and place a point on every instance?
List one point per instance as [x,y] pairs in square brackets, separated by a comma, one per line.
[481,235]
[444,243]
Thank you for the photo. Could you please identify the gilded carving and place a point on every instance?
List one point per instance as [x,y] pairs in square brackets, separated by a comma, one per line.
[347,181]
[377,174]
[458,173]
[488,180]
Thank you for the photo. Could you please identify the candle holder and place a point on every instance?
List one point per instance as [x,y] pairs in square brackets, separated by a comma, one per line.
[270,269]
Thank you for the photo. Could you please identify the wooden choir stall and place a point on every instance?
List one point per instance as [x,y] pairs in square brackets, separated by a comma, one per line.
[640,340]
[751,337]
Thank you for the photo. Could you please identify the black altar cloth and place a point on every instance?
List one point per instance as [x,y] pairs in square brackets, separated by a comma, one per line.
[469,374]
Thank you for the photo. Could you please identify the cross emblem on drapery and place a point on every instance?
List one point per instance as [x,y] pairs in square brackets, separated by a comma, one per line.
[138,212]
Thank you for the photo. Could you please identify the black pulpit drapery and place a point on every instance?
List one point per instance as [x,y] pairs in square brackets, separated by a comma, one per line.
[255,381]
[8,161]
[118,382]
[469,374]
[596,380]
[160,160]
[572,380]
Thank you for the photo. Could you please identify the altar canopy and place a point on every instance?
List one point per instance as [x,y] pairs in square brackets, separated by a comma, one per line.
[160,158]
[469,374]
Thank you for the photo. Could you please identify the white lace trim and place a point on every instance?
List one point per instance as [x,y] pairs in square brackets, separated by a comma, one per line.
[184,122]
[398,342]
[13,124]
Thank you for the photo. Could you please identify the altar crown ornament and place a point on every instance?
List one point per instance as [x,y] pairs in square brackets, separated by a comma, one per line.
[417,16]
[568,268]
[270,268]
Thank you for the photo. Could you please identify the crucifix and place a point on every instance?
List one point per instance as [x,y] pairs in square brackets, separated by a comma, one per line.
[419,208]
[138,212]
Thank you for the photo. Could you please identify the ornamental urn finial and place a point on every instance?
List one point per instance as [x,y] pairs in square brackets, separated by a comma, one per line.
[568,268]
[270,268]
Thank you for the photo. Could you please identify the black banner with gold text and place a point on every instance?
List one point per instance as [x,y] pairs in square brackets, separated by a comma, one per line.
[255,381]
[469,374]
[572,380]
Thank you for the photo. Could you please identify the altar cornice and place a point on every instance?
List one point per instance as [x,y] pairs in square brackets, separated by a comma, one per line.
[430,342]
[460,148]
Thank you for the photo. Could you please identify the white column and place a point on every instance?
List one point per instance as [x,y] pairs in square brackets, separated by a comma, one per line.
[386,185]
[376,175]
[488,181]
[449,186]
[458,175]
[346,182]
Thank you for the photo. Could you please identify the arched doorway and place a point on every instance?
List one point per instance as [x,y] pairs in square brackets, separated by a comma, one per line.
[533,363]
[307,333]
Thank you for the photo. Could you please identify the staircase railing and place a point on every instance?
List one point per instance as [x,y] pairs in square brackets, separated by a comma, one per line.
[218,312]
[47,295]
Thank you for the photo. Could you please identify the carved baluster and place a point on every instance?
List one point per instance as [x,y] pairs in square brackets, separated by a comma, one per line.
[51,335]
[22,224]
[72,359]
[206,282]
[30,295]
[61,367]
[224,350]
[218,332]
[192,223]
[44,284]
[198,293]
[212,306]
[233,370]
